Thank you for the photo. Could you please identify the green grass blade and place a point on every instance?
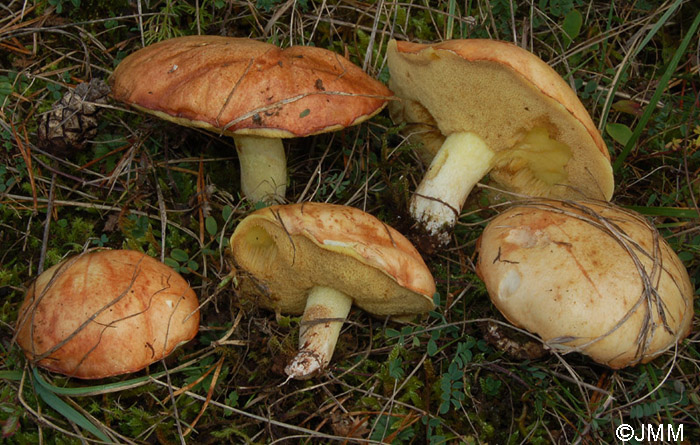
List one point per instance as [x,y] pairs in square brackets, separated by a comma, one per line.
[99,389]
[671,212]
[449,30]
[11,375]
[657,94]
[66,410]
[652,32]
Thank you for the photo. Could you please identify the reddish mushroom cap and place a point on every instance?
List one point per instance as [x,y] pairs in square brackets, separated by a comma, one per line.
[239,85]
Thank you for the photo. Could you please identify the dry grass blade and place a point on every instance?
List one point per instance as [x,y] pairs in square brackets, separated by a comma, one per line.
[270,421]
[173,193]
[210,392]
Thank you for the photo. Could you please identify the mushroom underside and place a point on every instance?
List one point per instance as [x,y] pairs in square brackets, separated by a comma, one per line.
[536,165]
[299,276]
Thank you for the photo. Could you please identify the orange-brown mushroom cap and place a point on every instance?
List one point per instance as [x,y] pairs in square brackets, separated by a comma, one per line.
[293,248]
[243,86]
[106,313]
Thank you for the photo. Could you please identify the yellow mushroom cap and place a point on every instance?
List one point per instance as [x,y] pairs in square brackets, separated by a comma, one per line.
[501,93]
[243,86]
[106,313]
[290,249]
[587,276]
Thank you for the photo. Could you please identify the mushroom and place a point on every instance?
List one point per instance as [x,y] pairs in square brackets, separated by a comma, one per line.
[254,91]
[490,107]
[319,259]
[589,277]
[105,313]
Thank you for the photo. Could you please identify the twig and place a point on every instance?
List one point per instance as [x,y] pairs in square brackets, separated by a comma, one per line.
[163,219]
[47,225]
[311,433]
[58,202]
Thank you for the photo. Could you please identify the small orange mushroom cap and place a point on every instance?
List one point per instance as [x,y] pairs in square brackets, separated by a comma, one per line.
[106,313]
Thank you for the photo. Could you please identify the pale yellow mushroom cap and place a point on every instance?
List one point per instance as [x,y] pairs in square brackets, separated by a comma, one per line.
[501,93]
[588,276]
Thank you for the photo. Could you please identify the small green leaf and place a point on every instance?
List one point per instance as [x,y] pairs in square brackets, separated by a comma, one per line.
[444,407]
[210,224]
[636,412]
[179,255]
[5,88]
[432,347]
[572,26]
[650,409]
[226,212]
[590,87]
[223,283]
[391,333]
[231,400]
[304,113]
[171,263]
[490,386]
[395,369]
[628,106]
[192,265]
[686,257]
[621,133]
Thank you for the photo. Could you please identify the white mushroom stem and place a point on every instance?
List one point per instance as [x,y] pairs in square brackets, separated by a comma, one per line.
[263,168]
[461,162]
[325,312]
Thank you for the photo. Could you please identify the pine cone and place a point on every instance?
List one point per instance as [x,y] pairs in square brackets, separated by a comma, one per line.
[73,119]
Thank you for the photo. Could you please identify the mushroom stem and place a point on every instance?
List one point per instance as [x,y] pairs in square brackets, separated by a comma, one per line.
[263,168]
[461,162]
[325,311]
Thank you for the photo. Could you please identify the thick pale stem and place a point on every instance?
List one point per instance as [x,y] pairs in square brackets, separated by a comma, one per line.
[325,311]
[461,162]
[263,168]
